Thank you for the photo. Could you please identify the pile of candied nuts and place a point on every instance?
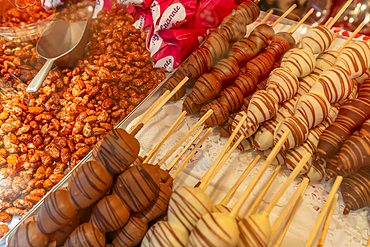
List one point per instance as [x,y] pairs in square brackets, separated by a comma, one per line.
[43,134]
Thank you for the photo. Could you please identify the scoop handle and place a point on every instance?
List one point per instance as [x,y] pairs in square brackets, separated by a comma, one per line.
[37,81]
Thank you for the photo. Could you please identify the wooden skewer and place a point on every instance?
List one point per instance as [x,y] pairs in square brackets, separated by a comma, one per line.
[227,156]
[333,191]
[287,183]
[358,29]
[169,132]
[325,228]
[240,180]
[368,243]
[160,99]
[336,17]
[186,160]
[169,168]
[267,16]
[159,106]
[292,30]
[185,137]
[201,184]
[262,170]
[328,21]
[293,201]
[287,224]
[262,194]
[284,15]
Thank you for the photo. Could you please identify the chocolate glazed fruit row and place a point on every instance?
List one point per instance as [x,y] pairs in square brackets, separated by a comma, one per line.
[259,65]
[214,49]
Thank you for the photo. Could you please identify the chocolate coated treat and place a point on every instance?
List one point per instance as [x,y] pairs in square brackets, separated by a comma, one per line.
[220,114]
[160,204]
[249,10]
[261,65]
[232,98]
[200,62]
[332,169]
[56,211]
[164,176]
[28,235]
[118,150]
[280,43]
[226,71]
[88,184]
[350,117]
[234,29]
[138,186]
[109,214]
[189,106]
[261,35]
[355,190]
[206,88]
[244,50]
[61,235]
[131,234]
[247,83]
[354,153]
[171,84]
[217,45]
[85,235]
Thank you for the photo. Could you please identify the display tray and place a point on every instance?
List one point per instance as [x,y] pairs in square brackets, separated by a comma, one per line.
[350,230]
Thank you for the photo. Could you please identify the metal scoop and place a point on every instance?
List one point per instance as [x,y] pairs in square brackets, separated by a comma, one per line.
[63,43]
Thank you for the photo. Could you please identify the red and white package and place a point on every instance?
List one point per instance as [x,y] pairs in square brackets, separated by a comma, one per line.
[168,14]
[210,13]
[170,47]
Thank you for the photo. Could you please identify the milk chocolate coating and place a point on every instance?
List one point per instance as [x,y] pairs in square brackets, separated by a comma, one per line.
[170,85]
[232,98]
[234,29]
[56,211]
[356,190]
[189,106]
[332,171]
[220,114]
[247,83]
[261,35]
[109,214]
[131,234]
[165,176]
[118,150]
[28,235]
[355,152]
[217,45]
[88,184]
[206,88]
[350,118]
[261,65]
[244,50]
[249,10]
[208,105]
[61,235]
[226,71]
[160,204]
[280,43]
[85,235]
[200,62]
[182,71]
[138,186]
